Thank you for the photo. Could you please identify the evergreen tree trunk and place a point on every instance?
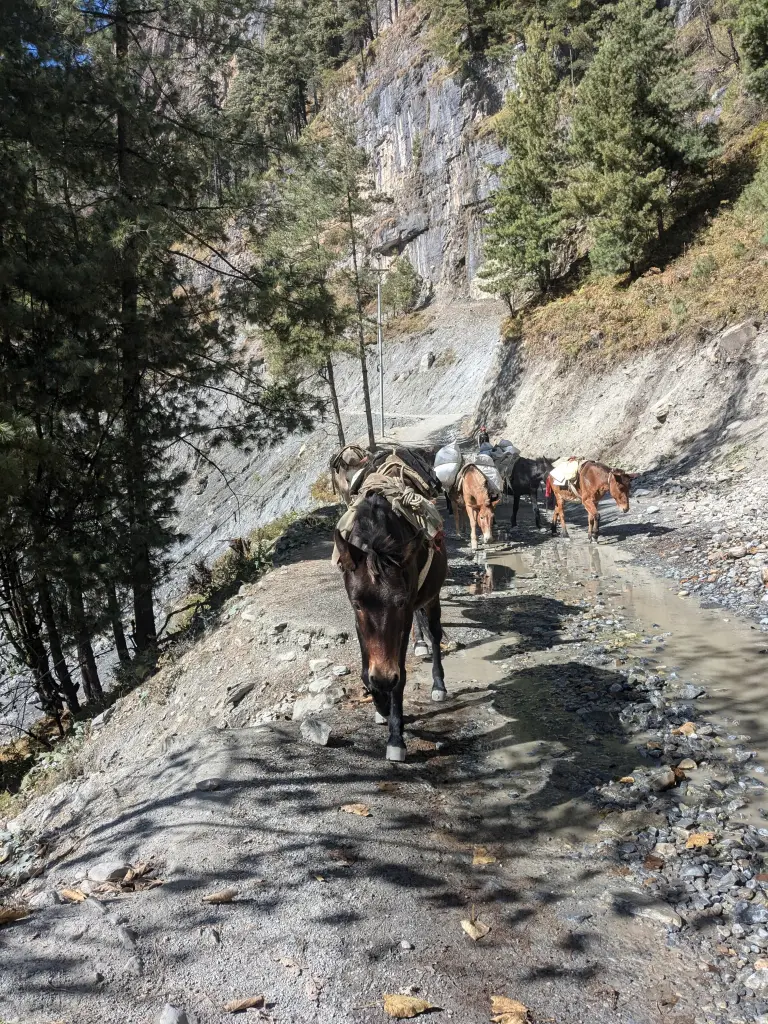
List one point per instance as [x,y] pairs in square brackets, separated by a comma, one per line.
[85,656]
[360,327]
[24,633]
[335,401]
[135,468]
[60,667]
[113,607]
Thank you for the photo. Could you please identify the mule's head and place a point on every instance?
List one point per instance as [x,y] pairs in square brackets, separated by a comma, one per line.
[619,484]
[379,563]
[486,513]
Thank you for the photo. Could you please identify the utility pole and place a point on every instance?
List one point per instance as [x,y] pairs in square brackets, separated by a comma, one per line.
[380,335]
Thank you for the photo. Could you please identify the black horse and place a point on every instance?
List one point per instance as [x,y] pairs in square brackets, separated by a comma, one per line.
[527,477]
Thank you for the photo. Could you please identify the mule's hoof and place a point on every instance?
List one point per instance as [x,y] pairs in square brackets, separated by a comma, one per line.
[380,719]
[439,695]
[395,753]
[421,650]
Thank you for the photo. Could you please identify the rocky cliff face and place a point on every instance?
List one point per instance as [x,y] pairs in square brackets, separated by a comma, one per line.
[432,160]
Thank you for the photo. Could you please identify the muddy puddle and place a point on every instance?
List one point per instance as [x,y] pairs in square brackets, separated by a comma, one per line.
[675,635]
[544,720]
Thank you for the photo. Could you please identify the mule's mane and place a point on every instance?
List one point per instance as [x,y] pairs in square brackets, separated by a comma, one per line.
[379,532]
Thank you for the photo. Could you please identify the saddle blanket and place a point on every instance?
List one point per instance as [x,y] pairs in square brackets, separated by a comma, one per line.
[565,471]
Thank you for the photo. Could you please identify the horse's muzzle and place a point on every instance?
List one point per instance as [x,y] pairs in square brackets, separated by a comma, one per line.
[384,681]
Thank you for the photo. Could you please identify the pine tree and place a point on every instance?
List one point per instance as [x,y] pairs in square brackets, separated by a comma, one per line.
[634,136]
[752,34]
[525,226]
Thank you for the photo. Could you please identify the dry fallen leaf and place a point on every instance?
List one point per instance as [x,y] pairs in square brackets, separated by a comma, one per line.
[508,1011]
[699,839]
[9,914]
[136,872]
[291,965]
[686,729]
[321,878]
[475,928]
[74,895]
[388,787]
[363,810]
[402,1007]
[653,863]
[481,856]
[223,896]
[249,1003]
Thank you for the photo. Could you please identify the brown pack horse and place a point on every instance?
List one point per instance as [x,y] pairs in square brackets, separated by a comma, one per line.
[593,481]
[381,562]
[474,495]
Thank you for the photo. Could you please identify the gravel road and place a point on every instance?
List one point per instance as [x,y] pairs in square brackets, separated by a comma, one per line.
[582,795]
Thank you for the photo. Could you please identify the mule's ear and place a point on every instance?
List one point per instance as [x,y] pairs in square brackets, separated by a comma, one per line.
[349,556]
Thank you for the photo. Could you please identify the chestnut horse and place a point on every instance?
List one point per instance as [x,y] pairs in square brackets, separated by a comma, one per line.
[382,562]
[479,502]
[592,482]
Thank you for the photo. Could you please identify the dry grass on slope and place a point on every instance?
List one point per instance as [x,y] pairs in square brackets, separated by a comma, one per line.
[722,278]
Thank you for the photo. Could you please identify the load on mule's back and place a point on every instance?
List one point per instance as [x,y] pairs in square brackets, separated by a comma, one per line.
[472,483]
[350,466]
[390,547]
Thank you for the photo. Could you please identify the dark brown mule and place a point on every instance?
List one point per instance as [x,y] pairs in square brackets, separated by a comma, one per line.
[475,496]
[381,563]
[592,482]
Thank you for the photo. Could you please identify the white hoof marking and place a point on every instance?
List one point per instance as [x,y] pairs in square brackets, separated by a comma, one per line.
[439,695]
[395,753]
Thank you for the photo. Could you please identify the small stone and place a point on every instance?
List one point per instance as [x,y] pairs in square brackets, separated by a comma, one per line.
[172,1015]
[101,720]
[661,779]
[405,944]
[286,656]
[208,785]
[665,850]
[48,898]
[758,981]
[210,935]
[340,670]
[426,362]
[108,871]
[318,665]
[313,705]
[127,937]
[739,551]
[652,509]
[279,627]
[687,764]
[315,730]
[135,966]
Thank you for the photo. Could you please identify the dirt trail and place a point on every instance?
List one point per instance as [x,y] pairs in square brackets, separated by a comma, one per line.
[498,813]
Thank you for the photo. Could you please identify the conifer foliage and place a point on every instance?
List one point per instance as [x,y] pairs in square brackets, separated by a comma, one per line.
[634,137]
[117,313]
[525,225]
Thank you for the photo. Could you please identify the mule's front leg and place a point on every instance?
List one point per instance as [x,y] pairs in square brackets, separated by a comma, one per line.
[592,518]
[439,692]
[396,743]
[515,507]
[472,513]
[535,505]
